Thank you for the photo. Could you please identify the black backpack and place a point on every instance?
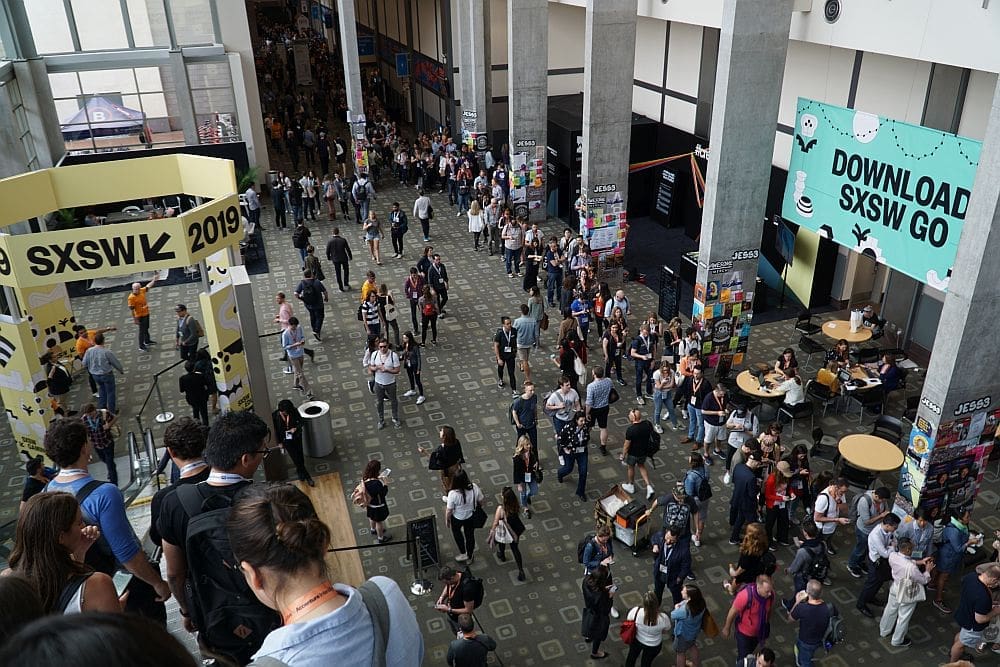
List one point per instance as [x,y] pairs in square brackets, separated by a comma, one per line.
[362,194]
[819,564]
[768,563]
[677,518]
[472,588]
[835,632]
[310,295]
[704,489]
[653,444]
[299,238]
[228,616]
[582,546]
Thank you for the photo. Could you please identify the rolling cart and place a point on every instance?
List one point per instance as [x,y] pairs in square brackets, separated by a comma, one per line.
[624,516]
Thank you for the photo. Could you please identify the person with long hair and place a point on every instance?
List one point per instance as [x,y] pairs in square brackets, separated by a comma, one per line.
[429,311]
[447,457]
[533,257]
[373,236]
[598,593]
[288,432]
[777,495]
[462,501]
[687,616]
[786,360]
[377,486]
[664,385]
[387,310]
[412,362]
[476,223]
[508,515]
[526,470]
[19,605]
[50,542]
[751,560]
[650,625]
[798,485]
[613,344]
[280,545]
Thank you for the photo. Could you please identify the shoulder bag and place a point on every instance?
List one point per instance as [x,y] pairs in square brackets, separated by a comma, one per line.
[628,629]
[502,534]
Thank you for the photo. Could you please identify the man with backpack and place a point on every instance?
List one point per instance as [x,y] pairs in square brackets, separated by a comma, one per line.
[188,332]
[881,543]
[678,508]
[867,510]
[813,615]
[750,613]
[811,560]
[462,593]
[362,193]
[312,293]
[300,239]
[101,505]
[212,593]
[471,648]
[639,437]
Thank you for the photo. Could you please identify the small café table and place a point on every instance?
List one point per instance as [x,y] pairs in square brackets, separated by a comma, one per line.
[837,329]
[870,452]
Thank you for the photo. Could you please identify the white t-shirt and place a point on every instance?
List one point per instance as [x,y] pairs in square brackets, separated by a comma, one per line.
[826,506]
[649,635]
[564,402]
[658,377]
[794,393]
[749,424]
[463,509]
[389,360]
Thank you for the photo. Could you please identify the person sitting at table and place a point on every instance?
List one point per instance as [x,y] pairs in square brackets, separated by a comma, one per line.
[689,363]
[786,360]
[792,386]
[827,377]
[888,372]
[872,321]
[841,353]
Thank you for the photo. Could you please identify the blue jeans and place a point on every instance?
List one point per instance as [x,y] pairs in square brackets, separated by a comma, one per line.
[860,550]
[642,368]
[805,653]
[106,392]
[363,207]
[531,432]
[558,424]
[696,424]
[302,254]
[581,462]
[464,201]
[528,489]
[661,398]
[512,257]
[553,286]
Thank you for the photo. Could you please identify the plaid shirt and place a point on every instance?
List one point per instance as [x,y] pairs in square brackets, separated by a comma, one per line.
[99,436]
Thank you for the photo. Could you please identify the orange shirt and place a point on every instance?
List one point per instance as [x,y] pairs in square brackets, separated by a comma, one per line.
[137,302]
[367,287]
[84,343]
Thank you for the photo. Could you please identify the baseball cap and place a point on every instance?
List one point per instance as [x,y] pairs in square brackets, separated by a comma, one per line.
[679,489]
[784,468]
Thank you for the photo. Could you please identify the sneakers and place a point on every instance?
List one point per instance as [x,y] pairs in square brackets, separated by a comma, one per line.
[620,381]
[397,424]
[734,543]
[420,399]
[691,577]
[520,575]
[316,336]
[942,607]
[628,488]
[371,386]
[649,492]
[657,428]
[381,424]
[855,572]
[461,558]
[500,384]
[640,400]
[410,393]
[527,512]
[906,643]
[697,542]
[444,499]
[727,478]
[614,613]
[664,417]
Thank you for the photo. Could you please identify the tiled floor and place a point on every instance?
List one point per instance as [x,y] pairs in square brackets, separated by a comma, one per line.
[536,621]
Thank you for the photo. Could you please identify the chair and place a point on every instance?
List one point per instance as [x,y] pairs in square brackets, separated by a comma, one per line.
[897,352]
[888,428]
[866,355]
[793,413]
[251,242]
[131,209]
[872,399]
[810,347]
[910,411]
[821,393]
[821,451]
[856,477]
[804,324]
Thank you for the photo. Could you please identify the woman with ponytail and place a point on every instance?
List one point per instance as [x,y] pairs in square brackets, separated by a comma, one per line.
[280,545]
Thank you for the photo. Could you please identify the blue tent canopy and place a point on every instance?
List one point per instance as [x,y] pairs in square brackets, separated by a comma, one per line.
[106,119]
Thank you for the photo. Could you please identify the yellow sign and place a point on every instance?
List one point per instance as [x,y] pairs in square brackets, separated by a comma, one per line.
[225,341]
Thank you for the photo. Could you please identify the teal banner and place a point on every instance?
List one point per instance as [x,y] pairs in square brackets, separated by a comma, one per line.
[894,191]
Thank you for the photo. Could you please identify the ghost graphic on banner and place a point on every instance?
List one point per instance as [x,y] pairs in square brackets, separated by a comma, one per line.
[865,127]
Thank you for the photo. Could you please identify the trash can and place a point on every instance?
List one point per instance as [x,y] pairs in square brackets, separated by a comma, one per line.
[272,178]
[317,429]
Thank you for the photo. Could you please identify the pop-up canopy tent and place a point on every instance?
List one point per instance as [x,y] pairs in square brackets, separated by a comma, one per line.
[106,119]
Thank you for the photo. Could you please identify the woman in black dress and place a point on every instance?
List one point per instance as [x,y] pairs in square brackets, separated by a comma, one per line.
[533,256]
[508,513]
[377,486]
[288,432]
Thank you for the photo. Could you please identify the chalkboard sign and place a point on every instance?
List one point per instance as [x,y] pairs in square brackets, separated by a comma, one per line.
[426,529]
[665,195]
[670,292]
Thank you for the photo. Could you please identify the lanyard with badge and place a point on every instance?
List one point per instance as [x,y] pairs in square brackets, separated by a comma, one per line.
[666,558]
[695,385]
[527,467]
[289,434]
[508,348]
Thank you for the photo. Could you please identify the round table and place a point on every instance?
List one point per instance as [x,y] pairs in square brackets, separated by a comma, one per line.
[870,452]
[748,384]
[837,329]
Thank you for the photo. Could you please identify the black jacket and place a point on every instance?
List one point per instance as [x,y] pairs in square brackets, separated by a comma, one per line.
[338,250]
[678,562]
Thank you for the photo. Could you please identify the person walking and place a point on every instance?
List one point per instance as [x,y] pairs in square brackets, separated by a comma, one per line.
[638,440]
[312,263]
[471,648]
[429,310]
[527,330]
[413,288]
[196,389]
[398,227]
[650,626]
[664,385]
[561,405]
[696,483]
[462,500]
[491,216]
[412,361]
[813,615]
[524,416]
[140,311]
[102,363]
[313,295]
[505,350]
[188,332]
[293,340]
[527,471]
[300,239]
[881,543]
[99,424]
[371,316]
[288,433]
[437,278]
[671,564]
[362,193]
[376,483]
[423,211]
[908,580]
[507,529]
[384,363]
[574,440]
[476,224]
[613,346]
[750,614]
[687,616]
[372,230]
[342,191]
[338,251]
[598,593]
[447,457]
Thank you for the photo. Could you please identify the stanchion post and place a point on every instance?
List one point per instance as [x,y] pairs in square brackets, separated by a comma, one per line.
[164,415]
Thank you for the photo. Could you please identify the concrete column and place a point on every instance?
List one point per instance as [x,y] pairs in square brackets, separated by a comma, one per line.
[607,101]
[235,29]
[13,160]
[185,105]
[474,67]
[349,52]
[961,394]
[752,50]
[528,92]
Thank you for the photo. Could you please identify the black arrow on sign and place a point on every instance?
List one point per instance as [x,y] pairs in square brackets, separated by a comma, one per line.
[151,253]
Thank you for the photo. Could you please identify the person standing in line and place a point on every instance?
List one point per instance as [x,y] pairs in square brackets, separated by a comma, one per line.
[697,475]
[140,311]
[476,224]
[281,319]
[413,288]
[188,332]
[288,433]
[371,318]
[507,529]
[279,199]
[423,211]
[598,404]
[312,293]
[293,340]
[461,502]
[536,310]
[694,390]
[671,564]
[955,539]
[881,543]
[505,350]
[523,414]
[907,577]
[253,205]
[574,441]
[338,251]
[492,214]
[598,593]
[975,609]
[196,389]
[714,412]
[295,196]
[471,648]
[384,363]
[376,482]
[687,616]
[827,509]
[99,424]
[650,625]
[526,327]
[777,494]
[641,352]
[429,310]
[437,278]
[387,309]
[872,506]
[664,385]
[813,615]
[184,440]
[343,194]
[513,239]
[102,363]
[397,229]
[553,259]
[329,195]
[412,362]
[638,437]
[613,345]
[526,471]
[746,491]
[562,404]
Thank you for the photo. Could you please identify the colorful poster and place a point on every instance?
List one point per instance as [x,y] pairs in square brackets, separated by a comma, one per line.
[896,192]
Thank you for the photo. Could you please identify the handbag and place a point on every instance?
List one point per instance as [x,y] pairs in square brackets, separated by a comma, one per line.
[909,589]
[544,323]
[539,475]
[628,629]
[502,534]
[709,626]
[613,396]
[579,367]
[479,517]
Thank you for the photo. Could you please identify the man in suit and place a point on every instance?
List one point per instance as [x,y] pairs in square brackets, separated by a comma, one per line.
[338,251]
[671,564]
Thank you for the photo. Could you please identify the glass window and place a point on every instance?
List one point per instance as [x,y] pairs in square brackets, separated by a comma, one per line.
[49,26]
[99,24]
[21,124]
[149,23]
[192,21]
[214,102]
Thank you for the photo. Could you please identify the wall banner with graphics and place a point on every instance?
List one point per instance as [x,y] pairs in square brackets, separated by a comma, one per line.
[527,181]
[894,191]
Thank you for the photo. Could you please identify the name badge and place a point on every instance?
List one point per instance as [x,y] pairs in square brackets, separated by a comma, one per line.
[288,435]
[917,554]
[527,477]
[693,401]
[663,569]
[507,349]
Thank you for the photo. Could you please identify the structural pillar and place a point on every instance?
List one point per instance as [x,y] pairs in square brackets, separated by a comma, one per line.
[751,65]
[475,72]
[234,26]
[960,406]
[607,124]
[352,80]
[528,92]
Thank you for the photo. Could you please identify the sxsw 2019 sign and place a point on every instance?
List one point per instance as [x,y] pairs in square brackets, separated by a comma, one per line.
[894,191]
